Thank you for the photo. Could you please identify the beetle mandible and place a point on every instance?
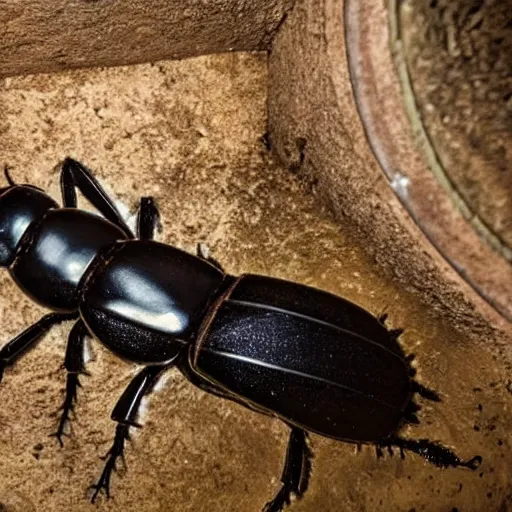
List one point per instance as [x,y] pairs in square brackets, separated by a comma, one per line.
[314,360]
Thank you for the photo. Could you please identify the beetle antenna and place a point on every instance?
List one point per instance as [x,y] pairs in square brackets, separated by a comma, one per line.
[8,176]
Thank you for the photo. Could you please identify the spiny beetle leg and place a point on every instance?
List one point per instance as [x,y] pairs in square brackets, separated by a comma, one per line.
[117,451]
[16,347]
[435,453]
[74,364]
[295,473]
[125,414]
[74,174]
[148,219]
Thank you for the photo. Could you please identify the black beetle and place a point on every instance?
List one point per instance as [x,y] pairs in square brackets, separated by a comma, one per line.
[316,361]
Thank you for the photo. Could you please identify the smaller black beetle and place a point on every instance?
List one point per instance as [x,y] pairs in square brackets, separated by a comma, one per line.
[316,361]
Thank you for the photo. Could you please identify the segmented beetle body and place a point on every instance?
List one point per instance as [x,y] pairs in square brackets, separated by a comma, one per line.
[314,360]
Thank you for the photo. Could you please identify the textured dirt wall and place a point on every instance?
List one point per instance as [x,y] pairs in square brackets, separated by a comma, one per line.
[188,133]
[316,130]
[39,36]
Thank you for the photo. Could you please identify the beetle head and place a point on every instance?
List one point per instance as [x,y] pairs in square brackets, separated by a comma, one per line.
[20,205]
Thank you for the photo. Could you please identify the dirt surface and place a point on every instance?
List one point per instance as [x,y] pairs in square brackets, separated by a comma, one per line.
[459,58]
[189,133]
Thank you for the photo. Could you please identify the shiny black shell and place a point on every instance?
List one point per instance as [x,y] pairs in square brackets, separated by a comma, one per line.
[311,358]
[142,297]
[20,206]
[55,253]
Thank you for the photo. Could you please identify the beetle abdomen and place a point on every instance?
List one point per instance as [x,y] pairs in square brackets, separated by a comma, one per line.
[298,365]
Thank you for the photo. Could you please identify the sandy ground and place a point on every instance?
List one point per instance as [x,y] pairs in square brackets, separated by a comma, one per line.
[189,133]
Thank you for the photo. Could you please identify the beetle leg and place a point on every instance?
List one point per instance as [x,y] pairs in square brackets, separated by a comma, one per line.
[425,392]
[148,219]
[435,453]
[125,414]
[74,174]
[295,473]
[16,347]
[202,252]
[75,365]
